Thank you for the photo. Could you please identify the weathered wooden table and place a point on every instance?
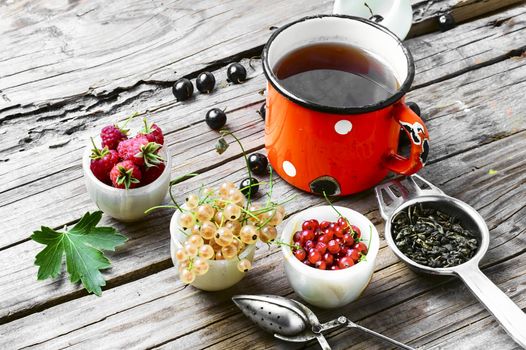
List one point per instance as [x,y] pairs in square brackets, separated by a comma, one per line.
[69,67]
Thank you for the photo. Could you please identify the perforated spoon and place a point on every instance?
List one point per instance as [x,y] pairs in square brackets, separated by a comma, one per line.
[292,321]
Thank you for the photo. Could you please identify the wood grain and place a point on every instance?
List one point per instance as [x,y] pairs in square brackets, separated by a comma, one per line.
[168,311]
[141,255]
[193,142]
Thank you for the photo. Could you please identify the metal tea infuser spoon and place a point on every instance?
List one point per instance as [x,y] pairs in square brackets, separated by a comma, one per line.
[292,321]
[399,194]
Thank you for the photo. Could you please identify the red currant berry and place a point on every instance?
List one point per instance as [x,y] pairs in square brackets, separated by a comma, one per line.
[297,237]
[300,254]
[333,247]
[324,225]
[329,233]
[333,225]
[353,254]
[321,265]
[308,245]
[342,222]
[311,225]
[356,231]
[338,232]
[321,247]
[348,240]
[324,239]
[345,262]
[314,256]
[334,267]
[328,258]
[307,235]
[361,247]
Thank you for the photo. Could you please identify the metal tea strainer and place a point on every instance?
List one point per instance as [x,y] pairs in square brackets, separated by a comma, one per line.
[292,321]
[401,193]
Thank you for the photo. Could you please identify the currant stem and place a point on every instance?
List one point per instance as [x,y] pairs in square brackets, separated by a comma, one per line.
[225,132]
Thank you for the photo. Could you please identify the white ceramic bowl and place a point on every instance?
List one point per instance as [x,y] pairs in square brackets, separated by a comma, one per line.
[222,274]
[323,288]
[122,204]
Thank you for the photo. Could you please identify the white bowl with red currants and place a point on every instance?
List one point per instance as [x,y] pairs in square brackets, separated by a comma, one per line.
[126,175]
[329,252]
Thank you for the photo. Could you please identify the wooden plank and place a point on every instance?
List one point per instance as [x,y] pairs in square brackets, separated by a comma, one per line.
[427,12]
[91,49]
[65,165]
[70,125]
[150,316]
[141,255]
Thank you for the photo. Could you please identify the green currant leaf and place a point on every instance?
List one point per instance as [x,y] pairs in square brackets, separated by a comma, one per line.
[82,245]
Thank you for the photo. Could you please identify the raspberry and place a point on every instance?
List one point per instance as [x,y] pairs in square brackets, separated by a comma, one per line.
[140,151]
[153,132]
[126,175]
[111,135]
[152,173]
[102,161]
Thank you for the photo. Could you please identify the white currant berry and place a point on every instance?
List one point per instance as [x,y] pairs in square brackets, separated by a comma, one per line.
[180,255]
[268,234]
[224,236]
[186,220]
[235,226]
[235,195]
[206,252]
[187,276]
[208,230]
[229,251]
[249,234]
[192,201]
[232,212]
[200,266]
[204,212]
[195,240]
[244,265]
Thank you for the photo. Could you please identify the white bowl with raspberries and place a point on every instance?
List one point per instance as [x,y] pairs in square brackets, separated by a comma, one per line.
[126,175]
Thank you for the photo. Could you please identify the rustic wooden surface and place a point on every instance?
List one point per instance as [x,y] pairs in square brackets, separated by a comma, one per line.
[69,67]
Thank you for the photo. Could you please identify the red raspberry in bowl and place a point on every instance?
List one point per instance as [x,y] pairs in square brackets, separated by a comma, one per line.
[152,132]
[112,135]
[125,175]
[102,161]
[151,174]
[140,151]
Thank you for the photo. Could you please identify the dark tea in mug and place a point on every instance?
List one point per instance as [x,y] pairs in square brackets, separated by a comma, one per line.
[336,75]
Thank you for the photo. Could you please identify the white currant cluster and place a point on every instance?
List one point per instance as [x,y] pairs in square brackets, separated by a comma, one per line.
[219,224]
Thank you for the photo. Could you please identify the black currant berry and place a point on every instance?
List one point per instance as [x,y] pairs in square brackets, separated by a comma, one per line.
[183,89]
[258,163]
[236,73]
[249,186]
[446,22]
[262,111]
[215,118]
[414,107]
[205,82]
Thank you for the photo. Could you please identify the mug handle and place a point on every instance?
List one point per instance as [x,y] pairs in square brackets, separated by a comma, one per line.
[415,129]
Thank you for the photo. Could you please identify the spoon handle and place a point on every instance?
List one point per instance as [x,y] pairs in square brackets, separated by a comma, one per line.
[323,342]
[509,315]
[351,324]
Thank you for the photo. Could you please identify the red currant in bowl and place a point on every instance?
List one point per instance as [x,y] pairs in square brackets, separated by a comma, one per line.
[334,265]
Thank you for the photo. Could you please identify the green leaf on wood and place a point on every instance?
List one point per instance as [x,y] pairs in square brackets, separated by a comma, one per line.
[82,245]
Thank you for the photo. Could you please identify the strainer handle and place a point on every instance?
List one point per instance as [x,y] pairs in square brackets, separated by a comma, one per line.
[351,324]
[509,315]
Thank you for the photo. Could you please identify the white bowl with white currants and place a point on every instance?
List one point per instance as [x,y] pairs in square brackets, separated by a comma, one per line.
[214,235]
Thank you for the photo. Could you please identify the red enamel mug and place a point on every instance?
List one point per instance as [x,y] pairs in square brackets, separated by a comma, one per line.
[340,150]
